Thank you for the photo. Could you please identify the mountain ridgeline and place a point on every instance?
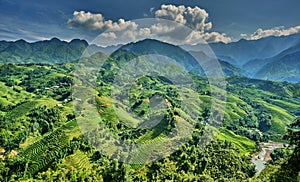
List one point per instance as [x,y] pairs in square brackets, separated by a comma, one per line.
[271,58]
[49,51]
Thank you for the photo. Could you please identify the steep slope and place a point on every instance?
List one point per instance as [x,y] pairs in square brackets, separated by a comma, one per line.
[150,46]
[182,57]
[253,66]
[230,70]
[286,68]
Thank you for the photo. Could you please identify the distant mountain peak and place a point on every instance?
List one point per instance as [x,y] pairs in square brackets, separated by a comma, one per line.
[21,41]
[150,40]
[54,39]
[79,41]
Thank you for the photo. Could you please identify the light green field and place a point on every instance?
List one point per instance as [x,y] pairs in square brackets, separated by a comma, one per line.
[280,117]
[78,160]
[23,109]
[244,144]
[10,96]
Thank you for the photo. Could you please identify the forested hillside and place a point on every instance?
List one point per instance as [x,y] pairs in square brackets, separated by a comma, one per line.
[40,138]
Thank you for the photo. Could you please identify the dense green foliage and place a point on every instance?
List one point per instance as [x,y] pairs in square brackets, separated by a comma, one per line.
[41,139]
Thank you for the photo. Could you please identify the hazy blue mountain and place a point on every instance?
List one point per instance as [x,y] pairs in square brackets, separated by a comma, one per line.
[181,56]
[274,58]
[246,50]
[240,52]
[230,70]
[253,66]
[282,67]
[286,68]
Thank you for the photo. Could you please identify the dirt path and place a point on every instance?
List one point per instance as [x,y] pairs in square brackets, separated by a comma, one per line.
[260,159]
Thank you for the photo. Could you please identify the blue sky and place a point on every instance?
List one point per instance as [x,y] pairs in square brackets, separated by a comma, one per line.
[34,20]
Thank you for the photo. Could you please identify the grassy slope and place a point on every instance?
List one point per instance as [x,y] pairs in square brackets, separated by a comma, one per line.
[280,117]
[282,110]
[244,144]
[23,109]
[78,160]
[9,96]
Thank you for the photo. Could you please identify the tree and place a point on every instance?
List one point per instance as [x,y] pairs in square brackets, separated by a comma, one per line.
[294,141]
[45,117]
[3,170]
[290,169]
[264,121]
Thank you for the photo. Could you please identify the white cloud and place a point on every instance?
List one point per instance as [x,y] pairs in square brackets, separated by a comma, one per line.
[162,28]
[216,37]
[97,22]
[196,37]
[122,37]
[195,17]
[144,32]
[109,35]
[121,31]
[243,35]
[277,31]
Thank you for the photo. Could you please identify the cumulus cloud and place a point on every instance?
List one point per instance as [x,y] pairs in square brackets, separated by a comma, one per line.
[122,37]
[121,31]
[109,35]
[196,36]
[97,22]
[277,31]
[216,37]
[195,17]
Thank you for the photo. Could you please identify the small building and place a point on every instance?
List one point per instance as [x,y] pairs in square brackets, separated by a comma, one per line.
[77,99]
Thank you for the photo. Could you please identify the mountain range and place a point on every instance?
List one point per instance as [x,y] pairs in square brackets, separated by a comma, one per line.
[271,58]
